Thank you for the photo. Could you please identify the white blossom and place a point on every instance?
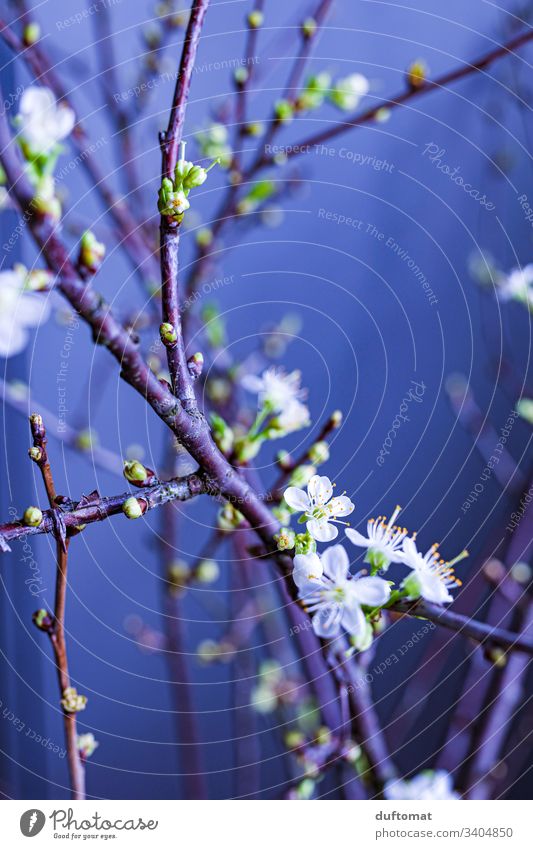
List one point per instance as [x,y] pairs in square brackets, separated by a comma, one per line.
[426,786]
[517,285]
[333,596]
[431,576]
[19,310]
[348,91]
[275,389]
[319,507]
[384,540]
[43,122]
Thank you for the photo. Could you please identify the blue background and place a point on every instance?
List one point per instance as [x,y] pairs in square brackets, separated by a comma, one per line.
[367,330]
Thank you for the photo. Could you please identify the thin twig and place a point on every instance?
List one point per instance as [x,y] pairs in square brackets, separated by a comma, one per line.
[56,631]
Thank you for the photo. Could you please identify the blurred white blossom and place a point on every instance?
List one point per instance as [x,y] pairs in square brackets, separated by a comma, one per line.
[19,311]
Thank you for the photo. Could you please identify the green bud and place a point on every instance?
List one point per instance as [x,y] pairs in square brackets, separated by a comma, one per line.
[247,449]
[309,27]
[32,517]
[304,544]
[323,735]
[43,620]
[497,656]
[86,439]
[204,237]
[255,19]
[285,539]
[524,408]
[417,73]
[284,111]
[240,75]
[92,251]
[195,177]
[319,453]
[167,333]
[31,34]
[134,472]
[229,518]
[302,475]
[282,514]
[254,129]
[336,419]
[222,433]
[207,651]
[132,508]
[35,454]
[207,572]
[178,575]
[294,739]
[305,789]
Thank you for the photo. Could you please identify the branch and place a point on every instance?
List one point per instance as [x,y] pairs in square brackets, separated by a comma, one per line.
[95,508]
[169,238]
[404,97]
[478,631]
[56,628]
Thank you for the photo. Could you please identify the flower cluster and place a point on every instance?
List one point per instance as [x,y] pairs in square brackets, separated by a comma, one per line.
[334,597]
[173,194]
[280,409]
[72,701]
[42,124]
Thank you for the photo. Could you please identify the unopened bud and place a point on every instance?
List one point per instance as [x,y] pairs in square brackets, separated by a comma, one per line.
[134,472]
[294,739]
[336,419]
[195,365]
[35,454]
[87,745]
[319,453]
[240,75]
[32,517]
[309,27]
[167,333]
[92,252]
[36,420]
[31,34]
[497,656]
[207,572]
[133,508]
[417,74]
[284,111]
[43,620]
[255,19]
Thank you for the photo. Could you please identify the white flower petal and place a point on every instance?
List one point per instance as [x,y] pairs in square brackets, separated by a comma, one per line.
[353,619]
[297,499]
[306,567]
[341,506]
[432,588]
[13,339]
[322,531]
[371,591]
[320,489]
[357,538]
[335,562]
[326,622]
